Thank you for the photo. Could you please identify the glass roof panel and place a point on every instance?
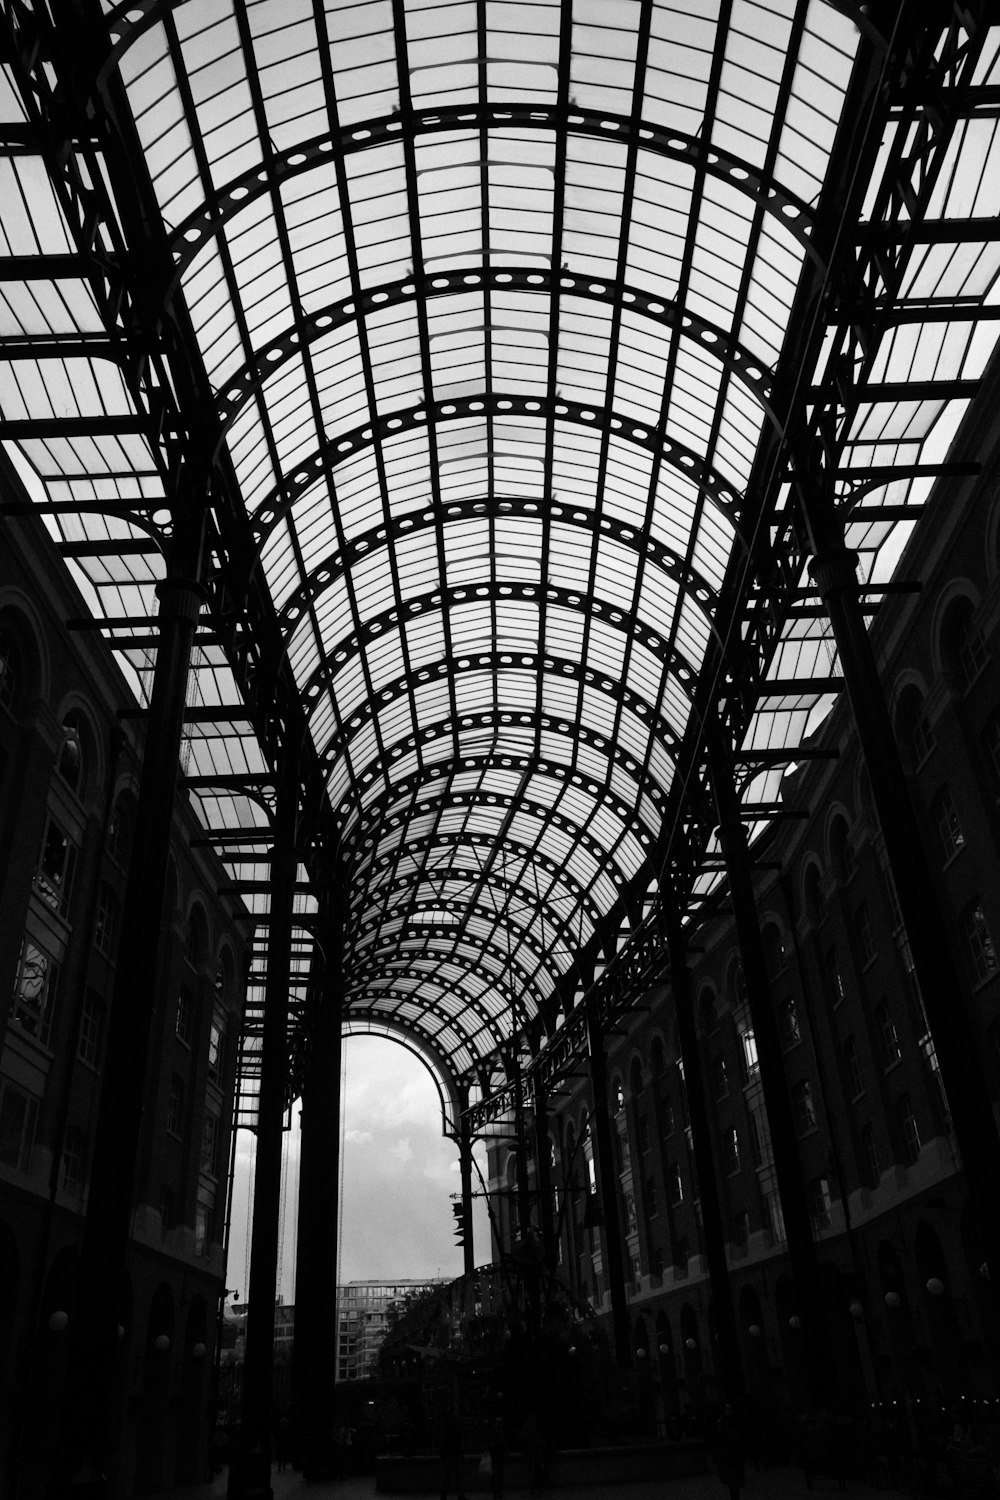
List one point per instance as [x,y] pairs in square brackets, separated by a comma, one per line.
[484,311]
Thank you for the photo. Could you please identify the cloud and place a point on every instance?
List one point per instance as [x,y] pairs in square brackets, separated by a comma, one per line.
[398,1175]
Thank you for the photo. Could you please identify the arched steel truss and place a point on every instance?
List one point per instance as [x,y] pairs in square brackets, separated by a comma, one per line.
[511,413]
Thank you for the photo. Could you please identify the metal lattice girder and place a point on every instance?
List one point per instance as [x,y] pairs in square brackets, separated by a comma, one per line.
[503,361]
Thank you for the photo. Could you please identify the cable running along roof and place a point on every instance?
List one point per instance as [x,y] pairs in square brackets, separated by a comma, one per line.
[497,317]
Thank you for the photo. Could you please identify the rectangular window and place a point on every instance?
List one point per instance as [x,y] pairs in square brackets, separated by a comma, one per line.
[870,1162]
[649,1197]
[803,1108]
[760,1138]
[751,1066]
[909,1129]
[788,1024]
[54,876]
[185,1016]
[216,1051]
[91,1030]
[865,936]
[852,1067]
[979,950]
[720,1078]
[820,1203]
[888,1036]
[108,920]
[669,1123]
[168,1212]
[741,1230]
[774,1215]
[35,992]
[834,979]
[731,1151]
[209,1145]
[18,1118]
[200,1229]
[675,1183]
[175,1106]
[948,827]
[74,1162]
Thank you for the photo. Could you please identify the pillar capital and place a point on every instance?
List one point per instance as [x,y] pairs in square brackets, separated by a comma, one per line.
[834,569]
[180,598]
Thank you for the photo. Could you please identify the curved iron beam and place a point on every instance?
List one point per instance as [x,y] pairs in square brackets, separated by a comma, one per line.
[539,909]
[711,338]
[435,772]
[323,675]
[431,1057]
[398,951]
[518,850]
[600,797]
[282,498]
[201,226]
[326,572]
[361,1013]
[547,817]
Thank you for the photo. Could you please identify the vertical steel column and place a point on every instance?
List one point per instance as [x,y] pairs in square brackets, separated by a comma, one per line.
[314,1350]
[465,1173]
[613,1258]
[250,1472]
[791,1188]
[543,1175]
[81,1460]
[931,937]
[730,1360]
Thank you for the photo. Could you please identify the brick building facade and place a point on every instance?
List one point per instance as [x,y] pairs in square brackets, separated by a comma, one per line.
[70,741]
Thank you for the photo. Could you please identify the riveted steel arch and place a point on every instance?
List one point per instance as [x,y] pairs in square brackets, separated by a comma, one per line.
[328,569]
[275,505]
[197,230]
[322,323]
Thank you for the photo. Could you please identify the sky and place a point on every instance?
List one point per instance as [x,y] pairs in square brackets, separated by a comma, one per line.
[397,1176]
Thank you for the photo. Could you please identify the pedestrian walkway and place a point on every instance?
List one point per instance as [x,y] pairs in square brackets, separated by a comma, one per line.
[775,1484]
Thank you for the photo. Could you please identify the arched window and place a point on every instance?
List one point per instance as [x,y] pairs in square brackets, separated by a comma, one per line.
[70,764]
[197,937]
[11,669]
[708,1017]
[120,831]
[811,894]
[656,1059]
[841,853]
[915,734]
[964,649]
[774,949]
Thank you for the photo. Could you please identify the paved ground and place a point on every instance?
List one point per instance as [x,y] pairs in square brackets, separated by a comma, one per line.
[776,1484]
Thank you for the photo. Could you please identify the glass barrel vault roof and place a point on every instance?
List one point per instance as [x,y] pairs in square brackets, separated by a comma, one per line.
[488,301]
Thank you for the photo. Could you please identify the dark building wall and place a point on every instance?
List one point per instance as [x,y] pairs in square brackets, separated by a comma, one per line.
[69,766]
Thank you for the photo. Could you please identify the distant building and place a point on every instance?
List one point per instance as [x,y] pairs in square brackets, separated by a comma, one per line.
[363,1317]
[363,1308]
